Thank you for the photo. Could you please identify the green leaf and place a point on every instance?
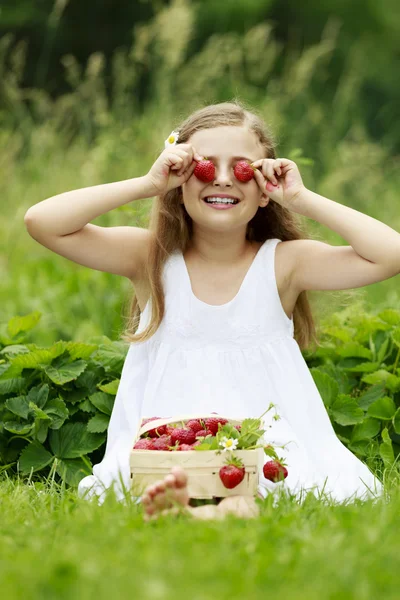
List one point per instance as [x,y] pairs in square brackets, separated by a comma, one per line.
[386,449]
[65,370]
[366,430]
[112,356]
[73,440]
[80,350]
[72,470]
[40,430]
[34,456]
[13,385]
[103,402]
[57,410]
[98,423]
[382,351]
[353,349]
[372,394]
[36,359]
[111,387]
[365,367]
[19,406]
[390,316]
[18,428]
[346,411]
[327,386]
[38,412]
[379,376]
[383,408]
[396,421]
[395,333]
[359,447]
[39,394]
[14,350]
[25,323]
[87,406]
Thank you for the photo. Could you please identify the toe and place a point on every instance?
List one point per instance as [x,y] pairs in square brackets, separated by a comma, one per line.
[170,480]
[146,499]
[180,476]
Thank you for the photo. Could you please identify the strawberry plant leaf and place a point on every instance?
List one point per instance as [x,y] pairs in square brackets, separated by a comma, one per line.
[327,386]
[366,430]
[346,411]
[383,408]
[103,402]
[396,421]
[18,405]
[18,428]
[98,423]
[73,440]
[57,410]
[63,370]
[72,470]
[34,456]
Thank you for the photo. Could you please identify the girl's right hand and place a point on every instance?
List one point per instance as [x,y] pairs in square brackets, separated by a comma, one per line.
[172,168]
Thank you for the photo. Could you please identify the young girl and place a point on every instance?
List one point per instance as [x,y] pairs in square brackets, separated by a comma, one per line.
[222,300]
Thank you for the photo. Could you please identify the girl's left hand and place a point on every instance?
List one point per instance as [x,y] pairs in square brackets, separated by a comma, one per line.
[282,172]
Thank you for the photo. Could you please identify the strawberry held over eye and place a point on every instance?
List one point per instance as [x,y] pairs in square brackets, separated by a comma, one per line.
[243,171]
[205,170]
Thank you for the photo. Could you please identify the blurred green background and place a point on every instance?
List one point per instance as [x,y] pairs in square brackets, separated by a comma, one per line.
[90,90]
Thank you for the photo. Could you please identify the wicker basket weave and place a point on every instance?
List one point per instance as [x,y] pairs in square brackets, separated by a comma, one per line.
[202,467]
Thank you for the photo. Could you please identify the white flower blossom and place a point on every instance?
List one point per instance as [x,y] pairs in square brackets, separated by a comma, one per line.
[228,443]
[171,139]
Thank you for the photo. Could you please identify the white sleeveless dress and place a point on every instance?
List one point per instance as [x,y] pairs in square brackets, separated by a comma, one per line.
[233,359]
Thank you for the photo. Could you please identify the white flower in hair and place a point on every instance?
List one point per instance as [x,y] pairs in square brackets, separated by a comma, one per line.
[172,139]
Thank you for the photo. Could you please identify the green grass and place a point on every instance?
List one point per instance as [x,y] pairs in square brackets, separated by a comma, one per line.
[55,545]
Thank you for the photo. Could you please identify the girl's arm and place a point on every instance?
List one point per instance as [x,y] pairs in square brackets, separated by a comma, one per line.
[71,211]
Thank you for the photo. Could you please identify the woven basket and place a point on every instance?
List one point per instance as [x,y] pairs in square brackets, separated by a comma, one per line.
[202,467]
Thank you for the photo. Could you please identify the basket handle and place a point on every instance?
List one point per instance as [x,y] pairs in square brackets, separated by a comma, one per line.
[158,422]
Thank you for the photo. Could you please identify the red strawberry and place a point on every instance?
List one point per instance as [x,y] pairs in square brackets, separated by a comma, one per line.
[162,443]
[183,447]
[274,471]
[205,170]
[203,433]
[232,473]
[243,171]
[183,436]
[144,444]
[154,433]
[194,425]
[169,429]
[212,424]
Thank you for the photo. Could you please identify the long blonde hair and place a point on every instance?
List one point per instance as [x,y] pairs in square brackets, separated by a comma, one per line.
[171,226]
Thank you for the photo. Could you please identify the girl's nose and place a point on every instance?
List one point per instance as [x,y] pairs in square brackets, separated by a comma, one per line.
[223,176]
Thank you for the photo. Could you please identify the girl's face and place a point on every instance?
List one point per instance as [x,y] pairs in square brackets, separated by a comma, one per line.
[225,146]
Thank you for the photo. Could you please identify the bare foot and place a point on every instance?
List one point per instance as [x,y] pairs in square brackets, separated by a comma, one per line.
[167,496]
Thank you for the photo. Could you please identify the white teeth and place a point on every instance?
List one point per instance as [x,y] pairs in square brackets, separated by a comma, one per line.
[213,200]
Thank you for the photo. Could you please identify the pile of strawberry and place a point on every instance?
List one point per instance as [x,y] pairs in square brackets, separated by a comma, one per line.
[212,434]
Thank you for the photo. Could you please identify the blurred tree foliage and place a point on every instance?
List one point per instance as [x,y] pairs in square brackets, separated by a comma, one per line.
[52,29]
